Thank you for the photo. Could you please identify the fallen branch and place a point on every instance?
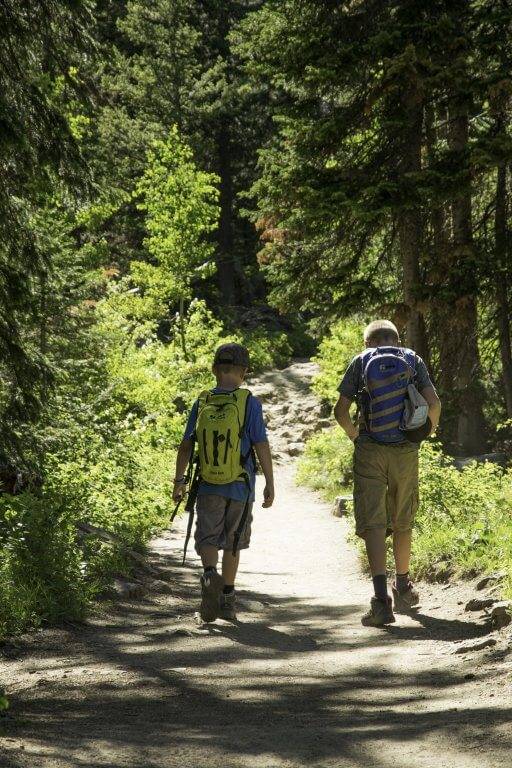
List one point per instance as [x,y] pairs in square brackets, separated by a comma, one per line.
[87,529]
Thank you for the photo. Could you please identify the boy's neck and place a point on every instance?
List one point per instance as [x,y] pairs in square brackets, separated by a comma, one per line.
[228,381]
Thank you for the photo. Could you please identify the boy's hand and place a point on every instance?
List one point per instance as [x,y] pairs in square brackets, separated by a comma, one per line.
[268,496]
[354,433]
[178,491]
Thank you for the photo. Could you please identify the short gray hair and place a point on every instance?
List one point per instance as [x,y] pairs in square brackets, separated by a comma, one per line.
[380,331]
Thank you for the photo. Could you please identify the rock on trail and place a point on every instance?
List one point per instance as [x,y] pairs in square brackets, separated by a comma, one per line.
[296,682]
[292,412]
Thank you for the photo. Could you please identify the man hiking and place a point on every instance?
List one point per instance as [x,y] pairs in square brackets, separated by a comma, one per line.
[391,386]
[227,425]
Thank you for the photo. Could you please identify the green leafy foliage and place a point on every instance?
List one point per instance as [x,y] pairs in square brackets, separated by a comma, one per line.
[463,524]
[41,570]
[181,209]
[335,352]
[464,517]
[326,464]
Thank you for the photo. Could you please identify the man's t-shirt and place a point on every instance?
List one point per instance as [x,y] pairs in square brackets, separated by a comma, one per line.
[254,432]
[353,382]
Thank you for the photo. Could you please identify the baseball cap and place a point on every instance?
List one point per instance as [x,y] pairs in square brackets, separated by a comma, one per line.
[232,354]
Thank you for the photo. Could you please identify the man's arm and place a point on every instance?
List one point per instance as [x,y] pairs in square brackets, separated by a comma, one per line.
[342,416]
[182,460]
[265,459]
[434,406]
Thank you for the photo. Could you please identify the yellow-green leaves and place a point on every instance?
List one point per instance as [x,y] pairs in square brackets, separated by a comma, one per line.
[180,202]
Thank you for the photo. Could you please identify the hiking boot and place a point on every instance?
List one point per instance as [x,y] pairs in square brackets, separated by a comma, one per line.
[212,585]
[380,613]
[228,606]
[404,602]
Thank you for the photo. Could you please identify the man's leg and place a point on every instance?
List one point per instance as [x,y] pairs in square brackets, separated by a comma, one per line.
[402,551]
[370,488]
[403,502]
[375,540]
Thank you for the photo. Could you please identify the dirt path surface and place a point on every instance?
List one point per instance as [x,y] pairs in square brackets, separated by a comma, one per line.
[296,682]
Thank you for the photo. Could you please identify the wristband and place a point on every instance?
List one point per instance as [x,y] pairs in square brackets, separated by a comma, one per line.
[179,481]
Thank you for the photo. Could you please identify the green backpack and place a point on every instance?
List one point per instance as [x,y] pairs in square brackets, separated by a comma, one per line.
[220,425]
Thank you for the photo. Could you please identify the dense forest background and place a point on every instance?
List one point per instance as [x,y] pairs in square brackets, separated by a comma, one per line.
[175,173]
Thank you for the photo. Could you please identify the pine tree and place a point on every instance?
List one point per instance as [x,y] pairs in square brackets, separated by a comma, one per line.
[38,45]
[171,63]
[367,194]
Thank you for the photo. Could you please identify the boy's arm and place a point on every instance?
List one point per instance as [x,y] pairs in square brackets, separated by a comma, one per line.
[265,459]
[342,416]
[182,460]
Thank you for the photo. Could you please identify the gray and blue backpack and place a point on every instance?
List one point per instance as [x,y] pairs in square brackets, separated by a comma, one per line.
[387,374]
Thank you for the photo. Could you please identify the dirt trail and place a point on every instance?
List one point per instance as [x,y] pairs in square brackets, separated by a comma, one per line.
[296,682]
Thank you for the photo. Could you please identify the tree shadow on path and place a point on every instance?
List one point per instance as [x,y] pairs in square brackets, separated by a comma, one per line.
[296,684]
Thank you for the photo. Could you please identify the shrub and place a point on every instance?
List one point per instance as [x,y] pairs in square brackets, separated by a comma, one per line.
[335,353]
[326,464]
[41,575]
[464,517]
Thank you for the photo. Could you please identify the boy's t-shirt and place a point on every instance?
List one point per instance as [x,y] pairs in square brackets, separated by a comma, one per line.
[254,432]
[353,382]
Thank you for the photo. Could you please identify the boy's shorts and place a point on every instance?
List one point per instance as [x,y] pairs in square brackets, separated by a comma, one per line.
[385,486]
[217,521]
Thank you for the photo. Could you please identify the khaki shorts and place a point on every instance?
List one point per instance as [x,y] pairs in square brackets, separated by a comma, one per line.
[217,521]
[385,486]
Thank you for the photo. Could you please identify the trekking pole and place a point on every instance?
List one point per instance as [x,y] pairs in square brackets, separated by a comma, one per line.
[186,482]
[243,521]
[189,507]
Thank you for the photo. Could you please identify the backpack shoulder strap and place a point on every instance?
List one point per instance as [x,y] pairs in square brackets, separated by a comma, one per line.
[242,395]
[243,404]
[410,358]
[202,399]
[242,400]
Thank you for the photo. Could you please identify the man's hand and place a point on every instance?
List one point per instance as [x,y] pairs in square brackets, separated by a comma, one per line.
[178,491]
[268,496]
[434,407]
[342,416]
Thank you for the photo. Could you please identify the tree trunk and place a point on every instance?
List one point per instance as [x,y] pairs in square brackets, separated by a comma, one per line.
[182,331]
[226,268]
[410,225]
[460,337]
[500,231]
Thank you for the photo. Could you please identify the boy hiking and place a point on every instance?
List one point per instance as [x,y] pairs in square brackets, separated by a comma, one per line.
[227,425]
[398,407]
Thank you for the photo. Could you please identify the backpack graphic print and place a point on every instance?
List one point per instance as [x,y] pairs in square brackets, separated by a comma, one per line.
[220,425]
[387,374]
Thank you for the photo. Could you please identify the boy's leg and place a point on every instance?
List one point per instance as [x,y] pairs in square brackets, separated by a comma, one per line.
[209,556]
[211,510]
[229,561]
[230,566]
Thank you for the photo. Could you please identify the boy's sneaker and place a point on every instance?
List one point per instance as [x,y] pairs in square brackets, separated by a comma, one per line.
[212,585]
[228,606]
[404,602]
[380,613]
